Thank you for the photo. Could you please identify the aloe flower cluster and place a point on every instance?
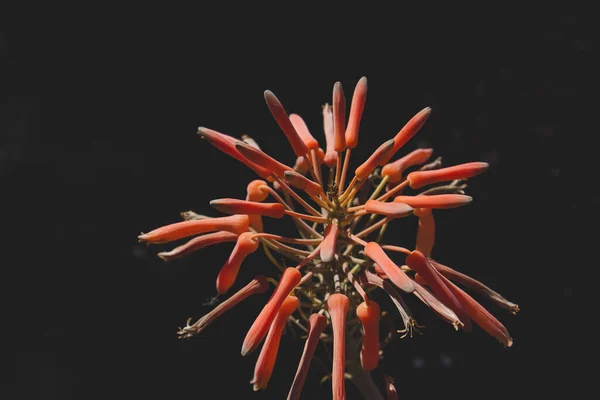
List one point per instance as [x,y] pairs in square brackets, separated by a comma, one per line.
[339,258]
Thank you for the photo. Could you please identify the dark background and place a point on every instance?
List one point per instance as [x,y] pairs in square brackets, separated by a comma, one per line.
[91,313]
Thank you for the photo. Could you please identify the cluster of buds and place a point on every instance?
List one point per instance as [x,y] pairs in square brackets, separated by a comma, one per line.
[339,256]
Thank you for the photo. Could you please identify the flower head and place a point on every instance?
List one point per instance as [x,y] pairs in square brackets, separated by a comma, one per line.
[340,252]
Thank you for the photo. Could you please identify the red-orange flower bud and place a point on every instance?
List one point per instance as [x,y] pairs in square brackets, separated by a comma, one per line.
[226,144]
[234,223]
[425,231]
[330,153]
[302,129]
[244,246]
[339,118]
[419,263]
[285,124]
[379,157]
[359,99]
[316,325]
[435,201]
[410,129]
[289,280]
[260,158]
[327,251]
[395,170]
[338,305]
[394,273]
[418,179]
[268,353]
[236,206]
[392,210]
[198,243]
[301,182]
[368,312]
[257,190]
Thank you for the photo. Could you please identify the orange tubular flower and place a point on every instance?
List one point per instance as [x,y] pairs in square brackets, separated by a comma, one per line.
[418,262]
[316,325]
[309,141]
[425,231]
[268,354]
[235,206]
[227,145]
[395,170]
[258,330]
[340,259]
[368,313]
[379,157]
[409,130]
[261,159]
[338,308]
[198,243]
[418,179]
[285,124]
[328,245]
[330,153]
[339,117]
[480,315]
[356,110]
[179,230]
[435,201]
[394,273]
[303,183]
[392,210]
[244,246]
[257,190]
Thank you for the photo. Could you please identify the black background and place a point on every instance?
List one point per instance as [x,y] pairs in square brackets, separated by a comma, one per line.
[98,115]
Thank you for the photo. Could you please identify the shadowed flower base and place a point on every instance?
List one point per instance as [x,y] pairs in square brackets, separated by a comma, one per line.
[339,255]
